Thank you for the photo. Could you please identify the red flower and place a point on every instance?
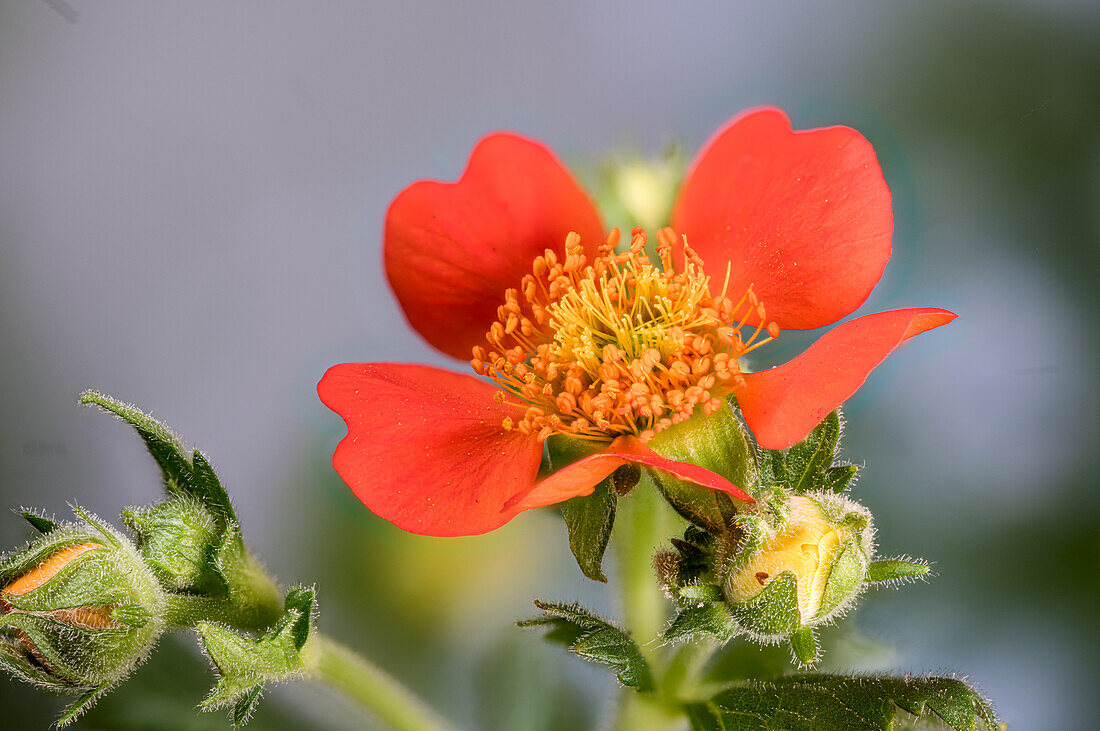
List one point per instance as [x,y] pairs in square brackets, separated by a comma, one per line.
[610,347]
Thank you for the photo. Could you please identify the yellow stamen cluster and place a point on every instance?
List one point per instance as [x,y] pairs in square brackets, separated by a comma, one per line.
[619,346]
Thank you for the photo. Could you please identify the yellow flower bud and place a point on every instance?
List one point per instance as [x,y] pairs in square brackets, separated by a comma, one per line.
[825,545]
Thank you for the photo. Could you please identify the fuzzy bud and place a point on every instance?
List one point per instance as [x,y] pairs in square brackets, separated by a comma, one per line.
[806,572]
[78,609]
[177,539]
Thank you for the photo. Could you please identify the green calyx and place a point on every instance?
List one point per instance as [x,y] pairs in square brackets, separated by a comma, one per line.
[720,443]
[80,609]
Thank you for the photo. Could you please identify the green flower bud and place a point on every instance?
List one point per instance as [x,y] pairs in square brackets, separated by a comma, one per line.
[803,574]
[78,609]
[177,539]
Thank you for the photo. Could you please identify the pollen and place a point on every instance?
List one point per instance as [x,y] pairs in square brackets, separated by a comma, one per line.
[622,345]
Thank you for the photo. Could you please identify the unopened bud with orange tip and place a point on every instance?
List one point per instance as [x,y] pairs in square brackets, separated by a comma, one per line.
[79,609]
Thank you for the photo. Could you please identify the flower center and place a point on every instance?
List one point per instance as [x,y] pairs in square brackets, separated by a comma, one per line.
[619,346]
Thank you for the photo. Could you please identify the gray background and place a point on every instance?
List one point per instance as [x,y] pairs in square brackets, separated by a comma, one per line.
[191,203]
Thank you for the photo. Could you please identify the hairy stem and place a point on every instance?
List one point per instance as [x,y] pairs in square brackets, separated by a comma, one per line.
[642,526]
[187,610]
[375,690]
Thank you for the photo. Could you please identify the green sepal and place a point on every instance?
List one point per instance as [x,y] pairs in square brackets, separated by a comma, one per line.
[707,618]
[590,518]
[718,442]
[841,703]
[805,647]
[839,478]
[805,463]
[245,706]
[40,523]
[19,562]
[772,612]
[245,665]
[702,593]
[896,569]
[81,705]
[184,474]
[849,570]
[132,615]
[596,639]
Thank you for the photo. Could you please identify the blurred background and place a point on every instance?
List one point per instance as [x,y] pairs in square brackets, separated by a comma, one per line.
[191,206]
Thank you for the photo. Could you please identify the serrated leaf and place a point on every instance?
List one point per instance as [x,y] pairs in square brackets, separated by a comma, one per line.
[40,524]
[810,458]
[711,618]
[598,640]
[609,645]
[589,520]
[892,569]
[843,703]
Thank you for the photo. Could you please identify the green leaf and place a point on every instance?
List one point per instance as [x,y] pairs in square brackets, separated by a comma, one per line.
[41,524]
[711,618]
[589,520]
[598,640]
[894,569]
[842,703]
[807,461]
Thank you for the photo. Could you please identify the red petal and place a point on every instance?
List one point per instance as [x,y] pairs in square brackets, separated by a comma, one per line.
[782,405]
[452,249]
[425,447]
[581,477]
[804,217]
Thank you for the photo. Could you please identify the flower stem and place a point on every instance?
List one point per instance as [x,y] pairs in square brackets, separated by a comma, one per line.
[372,688]
[644,523]
[187,610]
